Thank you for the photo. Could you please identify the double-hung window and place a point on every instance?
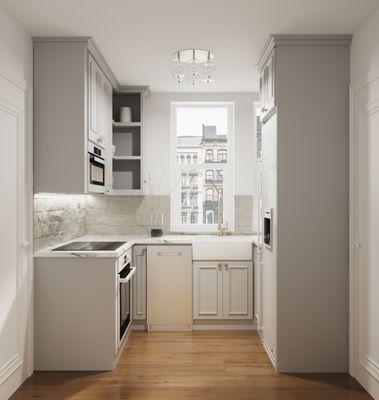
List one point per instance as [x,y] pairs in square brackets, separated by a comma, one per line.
[202,190]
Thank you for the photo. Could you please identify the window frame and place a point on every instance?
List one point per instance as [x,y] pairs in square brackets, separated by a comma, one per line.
[176,169]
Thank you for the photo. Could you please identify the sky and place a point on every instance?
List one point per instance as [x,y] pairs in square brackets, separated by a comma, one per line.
[191,119]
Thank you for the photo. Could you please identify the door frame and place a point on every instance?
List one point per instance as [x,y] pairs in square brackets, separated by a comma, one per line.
[354,240]
[26,204]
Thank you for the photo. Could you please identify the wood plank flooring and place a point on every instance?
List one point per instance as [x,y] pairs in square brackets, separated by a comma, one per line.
[196,365]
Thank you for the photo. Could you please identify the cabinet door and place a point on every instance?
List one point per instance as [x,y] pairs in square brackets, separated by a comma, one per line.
[93,89]
[207,290]
[107,133]
[257,286]
[267,86]
[237,290]
[139,284]
[270,81]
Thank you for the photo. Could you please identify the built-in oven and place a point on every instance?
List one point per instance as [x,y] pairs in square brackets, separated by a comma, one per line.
[125,294]
[96,169]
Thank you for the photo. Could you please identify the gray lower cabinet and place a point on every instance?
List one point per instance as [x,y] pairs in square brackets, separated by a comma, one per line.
[222,290]
[139,285]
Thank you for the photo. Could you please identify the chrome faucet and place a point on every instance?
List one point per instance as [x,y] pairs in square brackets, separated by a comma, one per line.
[221,230]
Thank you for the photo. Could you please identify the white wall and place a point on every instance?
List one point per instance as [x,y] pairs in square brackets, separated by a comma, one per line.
[16,51]
[364,51]
[158,136]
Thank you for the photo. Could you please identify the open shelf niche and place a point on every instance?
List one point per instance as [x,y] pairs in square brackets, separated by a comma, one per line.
[127,142]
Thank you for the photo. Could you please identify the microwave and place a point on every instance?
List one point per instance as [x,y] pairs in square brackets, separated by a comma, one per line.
[96,169]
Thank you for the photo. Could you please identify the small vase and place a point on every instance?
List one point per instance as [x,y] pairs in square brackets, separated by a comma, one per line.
[125,115]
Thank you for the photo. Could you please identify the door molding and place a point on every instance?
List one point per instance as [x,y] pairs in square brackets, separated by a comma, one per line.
[20,365]
[355,118]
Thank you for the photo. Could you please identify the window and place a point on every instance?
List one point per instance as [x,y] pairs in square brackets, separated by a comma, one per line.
[221,155]
[210,216]
[209,195]
[202,139]
[209,155]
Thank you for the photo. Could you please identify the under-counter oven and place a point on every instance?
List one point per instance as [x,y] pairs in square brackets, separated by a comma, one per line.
[125,275]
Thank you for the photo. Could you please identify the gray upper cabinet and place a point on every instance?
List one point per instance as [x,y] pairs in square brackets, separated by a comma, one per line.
[267,86]
[99,104]
[73,88]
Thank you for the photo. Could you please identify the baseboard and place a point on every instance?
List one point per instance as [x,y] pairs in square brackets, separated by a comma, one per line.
[139,327]
[223,325]
[269,353]
[166,328]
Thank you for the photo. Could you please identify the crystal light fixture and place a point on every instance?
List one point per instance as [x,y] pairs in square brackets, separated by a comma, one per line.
[194,65]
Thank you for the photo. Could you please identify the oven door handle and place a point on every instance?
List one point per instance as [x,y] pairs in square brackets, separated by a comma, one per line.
[97,160]
[130,274]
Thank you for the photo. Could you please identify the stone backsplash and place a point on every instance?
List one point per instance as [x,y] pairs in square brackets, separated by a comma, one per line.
[58,218]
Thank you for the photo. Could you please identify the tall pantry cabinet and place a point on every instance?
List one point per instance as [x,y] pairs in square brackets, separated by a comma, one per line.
[304,282]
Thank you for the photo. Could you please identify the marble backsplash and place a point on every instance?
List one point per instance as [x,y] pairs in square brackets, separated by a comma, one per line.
[59,218]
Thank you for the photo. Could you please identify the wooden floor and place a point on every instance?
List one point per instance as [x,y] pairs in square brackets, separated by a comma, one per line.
[197,365]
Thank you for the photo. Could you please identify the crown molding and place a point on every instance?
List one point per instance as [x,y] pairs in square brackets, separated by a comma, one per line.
[277,40]
[91,45]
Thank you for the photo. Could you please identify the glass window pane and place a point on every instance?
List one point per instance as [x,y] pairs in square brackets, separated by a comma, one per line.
[201,195]
[202,134]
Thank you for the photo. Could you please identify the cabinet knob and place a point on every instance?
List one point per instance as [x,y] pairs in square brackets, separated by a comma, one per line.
[226,265]
[219,265]
[264,109]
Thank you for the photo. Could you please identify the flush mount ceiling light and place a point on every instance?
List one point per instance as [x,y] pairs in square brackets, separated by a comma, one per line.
[194,65]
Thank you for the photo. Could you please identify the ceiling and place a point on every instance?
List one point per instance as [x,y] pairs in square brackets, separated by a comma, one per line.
[138,37]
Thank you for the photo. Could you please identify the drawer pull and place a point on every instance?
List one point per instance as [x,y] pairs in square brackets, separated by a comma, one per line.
[177,254]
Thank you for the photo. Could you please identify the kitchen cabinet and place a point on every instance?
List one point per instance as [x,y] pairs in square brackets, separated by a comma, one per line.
[128,157]
[207,290]
[99,104]
[296,89]
[222,290]
[72,106]
[257,267]
[237,290]
[267,87]
[169,287]
[139,283]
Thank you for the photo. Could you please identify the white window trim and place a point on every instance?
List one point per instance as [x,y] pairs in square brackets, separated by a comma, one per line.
[227,168]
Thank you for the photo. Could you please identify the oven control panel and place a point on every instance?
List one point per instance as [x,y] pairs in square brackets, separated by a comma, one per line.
[124,259]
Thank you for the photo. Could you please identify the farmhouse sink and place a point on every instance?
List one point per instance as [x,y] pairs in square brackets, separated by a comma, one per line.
[221,248]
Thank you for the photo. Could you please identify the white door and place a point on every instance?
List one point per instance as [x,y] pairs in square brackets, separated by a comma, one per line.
[139,283]
[15,232]
[207,290]
[237,290]
[364,238]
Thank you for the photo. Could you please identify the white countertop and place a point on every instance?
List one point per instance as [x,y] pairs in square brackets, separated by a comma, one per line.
[132,240]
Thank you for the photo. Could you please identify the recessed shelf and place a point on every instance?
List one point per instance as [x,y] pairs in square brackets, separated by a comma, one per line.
[126,174]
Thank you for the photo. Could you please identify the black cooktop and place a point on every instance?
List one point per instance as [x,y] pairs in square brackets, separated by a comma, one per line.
[89,246]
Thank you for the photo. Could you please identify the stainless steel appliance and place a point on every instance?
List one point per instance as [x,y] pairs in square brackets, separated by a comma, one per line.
[126,272]
[96,169]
